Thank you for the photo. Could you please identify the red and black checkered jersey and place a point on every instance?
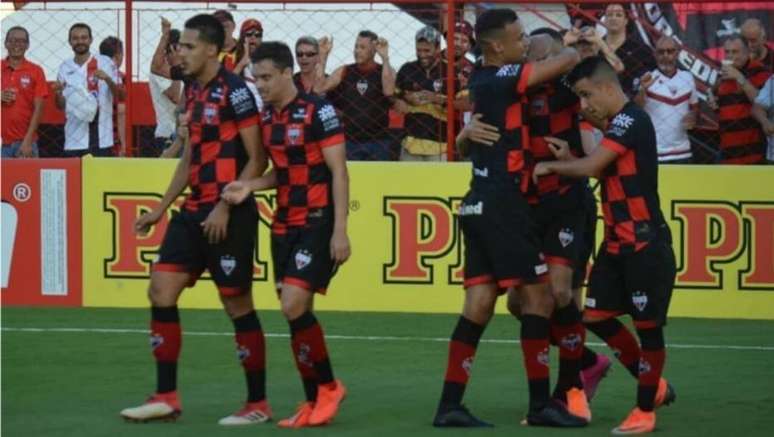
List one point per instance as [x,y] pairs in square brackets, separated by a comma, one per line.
[630,202]
[216,112]
[741,137]
[498,94]
[295,138]
[553,111]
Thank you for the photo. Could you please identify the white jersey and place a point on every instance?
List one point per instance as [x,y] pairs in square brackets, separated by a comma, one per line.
[250,82]
[667,102]
[74,75]
[162,106]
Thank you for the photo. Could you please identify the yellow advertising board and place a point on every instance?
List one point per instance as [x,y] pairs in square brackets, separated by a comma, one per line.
[406,242]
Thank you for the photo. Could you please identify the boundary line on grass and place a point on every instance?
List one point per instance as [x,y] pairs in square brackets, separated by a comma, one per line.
[362,337]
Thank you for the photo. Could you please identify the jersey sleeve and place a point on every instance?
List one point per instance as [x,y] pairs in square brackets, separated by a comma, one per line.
[402,82]
[326,127]
[760,77]
[41,87]
[621,134]
[522,78]
[242,104]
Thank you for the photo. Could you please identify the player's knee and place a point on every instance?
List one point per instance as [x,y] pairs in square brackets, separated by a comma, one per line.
[160,297]
[479,311]
[514,304]
[292,308]
[562,295]
[237,306]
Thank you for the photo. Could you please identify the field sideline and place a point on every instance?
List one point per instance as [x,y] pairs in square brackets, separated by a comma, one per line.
[67,372]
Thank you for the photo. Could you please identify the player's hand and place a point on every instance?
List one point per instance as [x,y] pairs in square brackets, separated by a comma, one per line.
[235,192]
[592,36]
[166,27]
[216,224]
[689,121]
[480,132]
[559,147]
[25,150]
[143,224]
[541,169]
[383,48]
[182,127]
[768,128]
[101,75]
[326,45]
[57,87]
[572,36]
[340,250]
[729,72]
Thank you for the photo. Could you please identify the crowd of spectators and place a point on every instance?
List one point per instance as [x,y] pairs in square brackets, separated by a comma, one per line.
[396,112]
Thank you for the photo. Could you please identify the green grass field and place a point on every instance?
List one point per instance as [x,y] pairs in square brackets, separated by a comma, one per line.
[67,372]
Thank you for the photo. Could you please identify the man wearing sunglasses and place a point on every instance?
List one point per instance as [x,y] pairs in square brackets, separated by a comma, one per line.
[668,95]
[308,60]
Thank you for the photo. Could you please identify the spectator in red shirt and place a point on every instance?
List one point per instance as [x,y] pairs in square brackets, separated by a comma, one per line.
[23,91]
[753,32]
[227,56]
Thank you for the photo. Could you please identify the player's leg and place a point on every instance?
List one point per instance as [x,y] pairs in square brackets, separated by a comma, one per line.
[477,310]
[650,276]
[176,268]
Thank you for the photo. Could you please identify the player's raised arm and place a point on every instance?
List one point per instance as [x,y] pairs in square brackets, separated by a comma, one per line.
[552,67]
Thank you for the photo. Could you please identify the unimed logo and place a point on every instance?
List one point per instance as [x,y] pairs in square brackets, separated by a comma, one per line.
[132,254]
[716,233]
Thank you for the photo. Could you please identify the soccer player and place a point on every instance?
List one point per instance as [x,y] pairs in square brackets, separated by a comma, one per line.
[635,267]
[208,233]
[309,234]
[500,249]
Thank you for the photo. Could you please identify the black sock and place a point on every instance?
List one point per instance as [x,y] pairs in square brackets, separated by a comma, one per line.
[588,359]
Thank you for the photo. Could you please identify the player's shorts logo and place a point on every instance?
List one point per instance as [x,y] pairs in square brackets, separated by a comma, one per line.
[475,209]
[566,236]
[227,264]
[640,300]
[362,86]
[303,259]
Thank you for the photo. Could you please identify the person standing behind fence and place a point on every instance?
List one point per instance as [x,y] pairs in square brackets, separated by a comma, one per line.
[763,111]
[85,88]
[250,38]
[741,138]
[635,55]
[24,90]
[668,95]
[754,33]
[308,60]
[228,54]
[362,92]
[113,48]
[165,93]
[422,85]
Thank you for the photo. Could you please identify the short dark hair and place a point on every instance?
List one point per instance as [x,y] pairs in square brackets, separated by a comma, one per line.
[592,67]
[110,46]
[277,52]
[222,13]
[14,28]
[210,29]
[494,20]
[554,34]
[79,26]
[368,34]
[737,37]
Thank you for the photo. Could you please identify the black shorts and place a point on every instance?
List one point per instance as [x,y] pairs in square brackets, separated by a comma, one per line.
[302,257]
[500,243]
[639,284]
[230,262]
[589,238]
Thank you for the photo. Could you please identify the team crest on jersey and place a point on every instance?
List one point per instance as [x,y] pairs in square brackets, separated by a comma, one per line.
[566,237]
[25,81]
[227,264]
[640,300]
[303,259]
[362,86]
[209,113]
[542,357]
[644,366]
[571,341]
[294,133]
[438,85]
[467,365]
[672,89]
[156,340]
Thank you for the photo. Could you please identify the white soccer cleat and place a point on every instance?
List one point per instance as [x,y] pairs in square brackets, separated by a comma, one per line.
[252,413]
[162,407]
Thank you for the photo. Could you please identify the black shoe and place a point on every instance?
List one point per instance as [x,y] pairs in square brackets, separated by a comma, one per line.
[457,416]
[554,414]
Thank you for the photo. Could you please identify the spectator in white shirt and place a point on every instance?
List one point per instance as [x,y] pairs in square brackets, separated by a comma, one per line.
[763,111]
[85,88]
[165,93]
[668,95]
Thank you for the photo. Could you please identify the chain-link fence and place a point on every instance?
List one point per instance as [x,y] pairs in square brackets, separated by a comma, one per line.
[419,119]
